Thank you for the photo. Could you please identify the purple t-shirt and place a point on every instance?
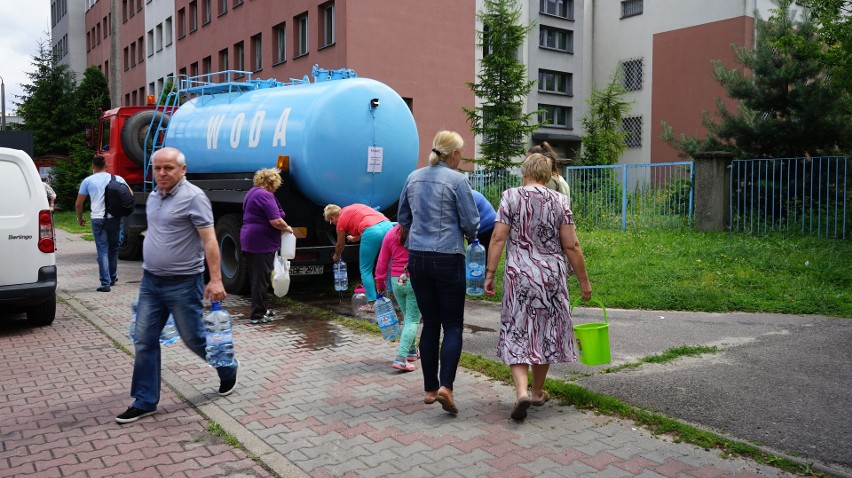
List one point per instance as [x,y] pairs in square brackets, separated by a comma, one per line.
[257,235]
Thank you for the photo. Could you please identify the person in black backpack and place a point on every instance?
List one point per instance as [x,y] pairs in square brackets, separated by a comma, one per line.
[104,226]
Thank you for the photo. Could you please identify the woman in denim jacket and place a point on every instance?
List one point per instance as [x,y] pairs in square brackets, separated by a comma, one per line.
[436,205]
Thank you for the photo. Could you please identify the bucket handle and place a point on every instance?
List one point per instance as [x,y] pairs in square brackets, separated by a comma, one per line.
[592,299]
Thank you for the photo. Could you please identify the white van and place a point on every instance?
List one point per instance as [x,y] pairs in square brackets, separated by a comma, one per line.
[27,241]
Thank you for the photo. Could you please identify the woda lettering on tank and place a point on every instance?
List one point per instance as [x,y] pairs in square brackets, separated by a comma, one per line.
[214,126]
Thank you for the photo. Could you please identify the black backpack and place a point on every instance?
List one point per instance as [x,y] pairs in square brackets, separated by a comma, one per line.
[118,199]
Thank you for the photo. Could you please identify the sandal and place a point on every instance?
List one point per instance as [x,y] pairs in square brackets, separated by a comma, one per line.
[544,398]
[404,366]
[520,410]
[413,356]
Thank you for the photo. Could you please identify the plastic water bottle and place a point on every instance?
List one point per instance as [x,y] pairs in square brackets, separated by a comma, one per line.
[220,342]
[341,280]
[386,318]
[475,265]
[169,335]
[359,301]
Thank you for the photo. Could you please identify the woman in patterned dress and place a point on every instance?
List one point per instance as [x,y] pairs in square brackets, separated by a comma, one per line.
[537,228]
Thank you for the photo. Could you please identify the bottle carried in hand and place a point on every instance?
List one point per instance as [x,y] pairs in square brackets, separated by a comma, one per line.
[386,318]
[475,268]
[341,280]
[169,335]
[220,341]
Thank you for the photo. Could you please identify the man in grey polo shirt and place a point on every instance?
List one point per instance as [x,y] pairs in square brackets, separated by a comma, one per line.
[180,235]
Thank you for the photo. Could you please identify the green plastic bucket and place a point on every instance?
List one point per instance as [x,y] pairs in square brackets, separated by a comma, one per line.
[593,338]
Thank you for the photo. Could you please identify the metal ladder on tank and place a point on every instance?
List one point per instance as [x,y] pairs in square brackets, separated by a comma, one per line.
[156,135]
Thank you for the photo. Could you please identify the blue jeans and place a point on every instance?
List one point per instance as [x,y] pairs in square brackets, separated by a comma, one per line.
[439,285]
[158,297]
[106,243]
[371,242]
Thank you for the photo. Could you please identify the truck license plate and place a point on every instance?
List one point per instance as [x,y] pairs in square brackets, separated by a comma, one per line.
[306,270]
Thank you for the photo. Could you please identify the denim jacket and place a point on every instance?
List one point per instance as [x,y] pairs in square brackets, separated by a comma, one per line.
[437,206]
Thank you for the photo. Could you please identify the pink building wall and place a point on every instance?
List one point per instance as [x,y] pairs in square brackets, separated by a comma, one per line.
[683,83]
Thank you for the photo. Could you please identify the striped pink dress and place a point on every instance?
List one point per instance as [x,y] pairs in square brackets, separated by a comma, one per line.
[535,323]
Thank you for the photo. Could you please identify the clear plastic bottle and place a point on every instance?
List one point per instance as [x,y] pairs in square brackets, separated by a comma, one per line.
[220,342]
[386,318]
[475,268]
[359,302]
[341,280]
[169,335]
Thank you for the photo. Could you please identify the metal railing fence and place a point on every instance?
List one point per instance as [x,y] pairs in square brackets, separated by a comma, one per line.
[808,196]
[655,195]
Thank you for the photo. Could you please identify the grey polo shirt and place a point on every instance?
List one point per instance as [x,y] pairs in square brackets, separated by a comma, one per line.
[172,244]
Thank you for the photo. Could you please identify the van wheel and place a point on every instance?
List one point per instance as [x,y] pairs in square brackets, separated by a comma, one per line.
[42,314]
[129,246]
[235,275]
[134,132]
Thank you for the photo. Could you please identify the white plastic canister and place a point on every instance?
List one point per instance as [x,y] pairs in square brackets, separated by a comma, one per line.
[288,246]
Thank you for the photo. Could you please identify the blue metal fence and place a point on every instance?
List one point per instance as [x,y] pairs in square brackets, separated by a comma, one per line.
[618,196]
[808,196]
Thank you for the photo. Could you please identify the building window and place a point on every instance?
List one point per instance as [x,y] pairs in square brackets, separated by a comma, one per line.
[555,116]
[168,31]
[150,42]
[127,99]
[327,33]
[223,7]
[556,39]
[124,10]
[193,69]
[257,52]
[555,82]
[133,54]
[98,34]
[207,65]
[193,16]
[126,58]
[280,32]
[631,74]
[239,56]
[630,8]
[632,125]
[106,27]
[141,50]
[237,3]
[88,41]
[159,36]
[223,60]
[558,8]
[206,11]
[134,98]
[301,35]
[181,26]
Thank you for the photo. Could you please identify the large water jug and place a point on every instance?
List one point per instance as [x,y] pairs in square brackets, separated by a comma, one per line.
[341,280]
[475,268]
[360,303]
[220,341]
[386,318]
[288,246]
[169,335]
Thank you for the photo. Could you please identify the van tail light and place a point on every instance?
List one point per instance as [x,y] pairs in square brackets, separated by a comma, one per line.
[46,239]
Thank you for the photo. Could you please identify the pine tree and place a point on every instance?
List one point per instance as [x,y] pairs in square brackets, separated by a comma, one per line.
[787,105]
[502,85]
[604,140]
[47,106]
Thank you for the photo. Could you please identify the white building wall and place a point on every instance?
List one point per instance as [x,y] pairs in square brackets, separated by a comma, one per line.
[70,28]
[160,24]
[614,39]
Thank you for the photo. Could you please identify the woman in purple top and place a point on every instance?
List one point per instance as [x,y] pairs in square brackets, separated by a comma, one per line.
[260,237]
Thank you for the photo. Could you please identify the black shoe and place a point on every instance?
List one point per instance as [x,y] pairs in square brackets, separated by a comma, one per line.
[132,414]
[103,288]
[113,282]
[269,313]
[228,386]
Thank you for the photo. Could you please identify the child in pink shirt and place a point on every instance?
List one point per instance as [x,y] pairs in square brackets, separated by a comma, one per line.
[393,250]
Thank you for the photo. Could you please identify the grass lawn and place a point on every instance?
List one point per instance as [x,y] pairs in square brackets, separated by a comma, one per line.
[716,272]
[67,221]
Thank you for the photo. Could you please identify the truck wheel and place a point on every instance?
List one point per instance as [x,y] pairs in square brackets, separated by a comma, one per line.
[42,314]
[129,246]
[134,131]
[235,275]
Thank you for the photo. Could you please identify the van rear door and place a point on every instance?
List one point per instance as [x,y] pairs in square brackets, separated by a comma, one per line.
[22,197]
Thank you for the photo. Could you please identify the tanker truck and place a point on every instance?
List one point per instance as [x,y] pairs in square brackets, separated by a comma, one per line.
[337,139]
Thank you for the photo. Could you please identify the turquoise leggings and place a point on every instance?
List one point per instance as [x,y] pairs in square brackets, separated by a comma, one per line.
[404,295]
[371,242]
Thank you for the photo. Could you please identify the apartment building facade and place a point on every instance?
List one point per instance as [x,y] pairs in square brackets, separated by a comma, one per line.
[423,50]
[67,26]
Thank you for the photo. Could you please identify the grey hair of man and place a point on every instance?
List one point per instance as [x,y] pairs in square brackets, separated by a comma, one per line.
[179,157]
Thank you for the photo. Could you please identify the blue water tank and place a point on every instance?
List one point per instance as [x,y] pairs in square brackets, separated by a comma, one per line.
[329,129]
